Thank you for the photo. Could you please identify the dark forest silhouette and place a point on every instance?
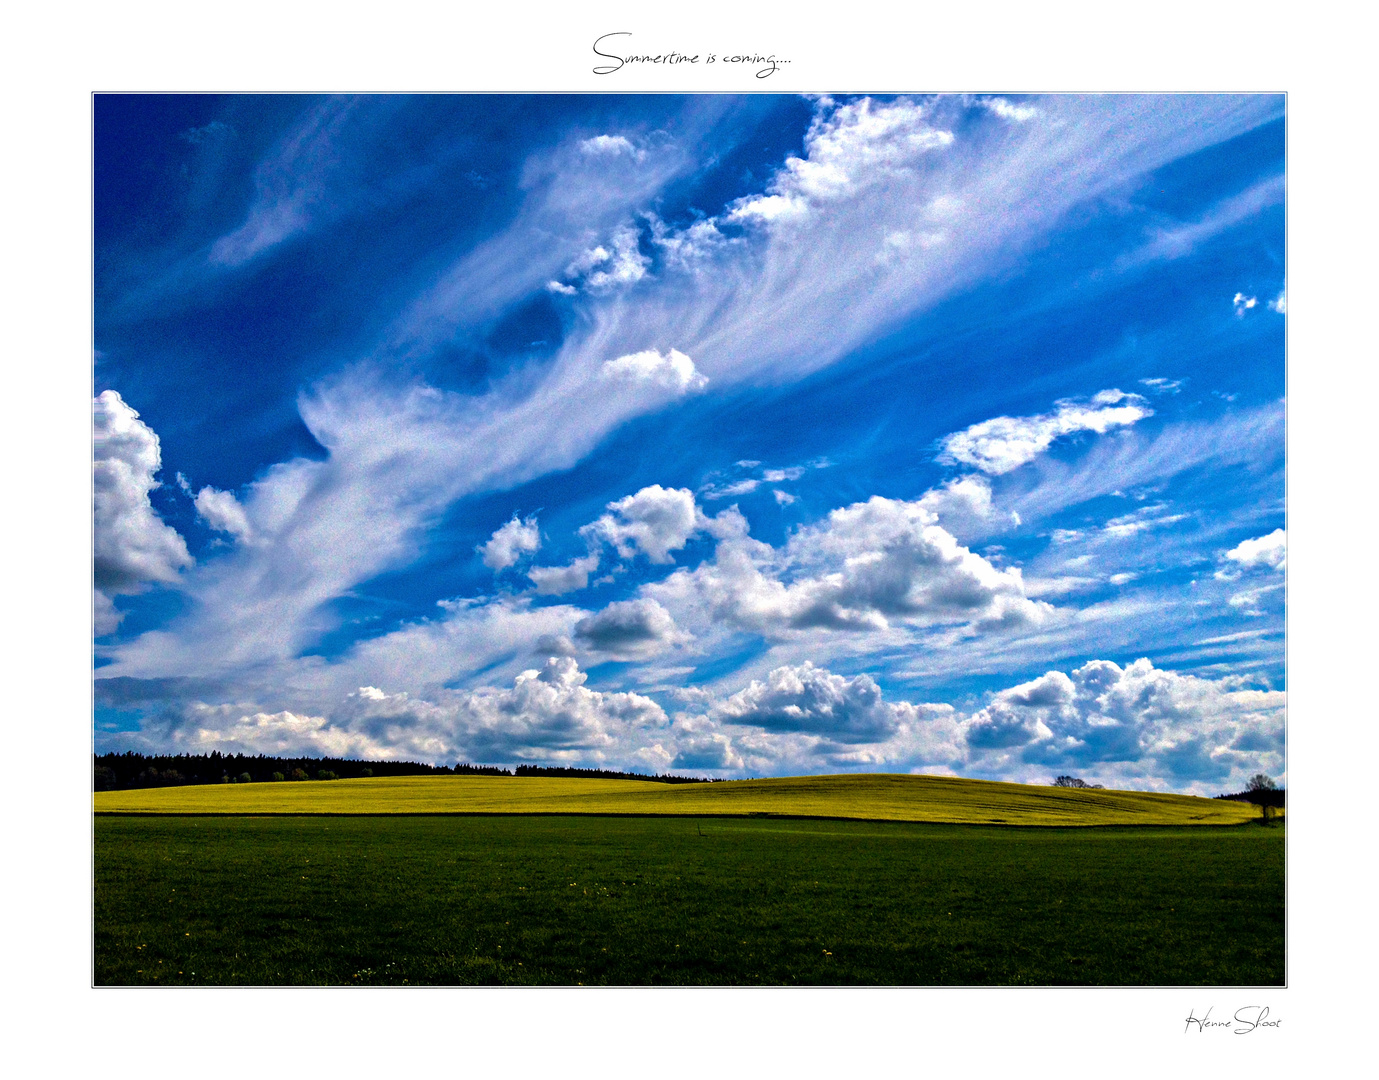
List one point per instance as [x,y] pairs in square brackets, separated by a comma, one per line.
[116,772]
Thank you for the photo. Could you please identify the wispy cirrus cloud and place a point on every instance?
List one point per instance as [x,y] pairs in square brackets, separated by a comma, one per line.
[291,185]
[1181,239]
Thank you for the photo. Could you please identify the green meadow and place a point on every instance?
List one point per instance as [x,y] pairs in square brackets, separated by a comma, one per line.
[870,797]
[318,899]
[872,879]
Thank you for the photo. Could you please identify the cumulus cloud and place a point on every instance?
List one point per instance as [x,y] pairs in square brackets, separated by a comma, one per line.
[809,699]
[654,521]
[1131,726]
[622,263]
[133,545]
[964,507]
[226,729]
[1243,303]
[557,580]
[674,371]
[1269,551]
[630,629]
[1280,302]
[863,567]
[105,618]
[1134,720]
[550,710]
[711,751]
[689,248]
[847,148]
[802,718]
[509,543]
[546,714]
[223,512]
[1006,442]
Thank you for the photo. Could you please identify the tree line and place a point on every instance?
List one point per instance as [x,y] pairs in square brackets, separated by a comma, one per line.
[1263,792]
[118,772]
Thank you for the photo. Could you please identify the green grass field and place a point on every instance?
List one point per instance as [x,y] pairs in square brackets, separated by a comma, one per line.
[872,797]
[656,900]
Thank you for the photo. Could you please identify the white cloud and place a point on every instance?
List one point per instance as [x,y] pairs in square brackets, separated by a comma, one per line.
[217,727]
[732,490]
[1270,551]
[863,567]
[1007,110]
[611,146]
[1243,303]
[1146,517]
[547,714]
[784,498]
[488,638]
[562,290]
[1006,442]
[690,248]
[1248,603]
[550,710]
[509,543]
[1280,302]
[605,269]
[775,476]
[1253,436]
[654,521]
[809,699]
[105,617]
[711,751]
[1131,726]
[964,507]
[1262,551]
[674,371]
[557,580]
[133,545]
[1133,721]
[847,148]
[1163,386]
[630,629]
[223,512]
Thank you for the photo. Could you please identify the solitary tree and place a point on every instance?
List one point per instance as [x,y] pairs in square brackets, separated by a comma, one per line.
[1260,791]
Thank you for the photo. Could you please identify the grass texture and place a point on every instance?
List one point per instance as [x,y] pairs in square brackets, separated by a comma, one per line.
[442,900]
[871,797]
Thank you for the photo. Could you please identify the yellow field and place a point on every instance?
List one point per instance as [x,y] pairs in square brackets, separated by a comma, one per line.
[877,797]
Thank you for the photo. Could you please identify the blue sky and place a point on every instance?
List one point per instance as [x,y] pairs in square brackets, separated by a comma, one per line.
[735,435]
